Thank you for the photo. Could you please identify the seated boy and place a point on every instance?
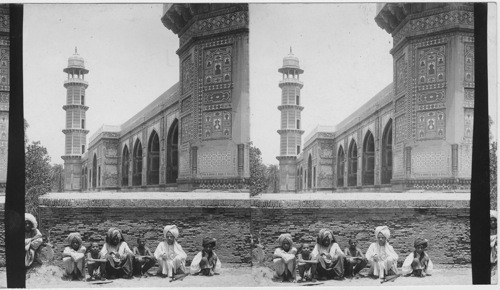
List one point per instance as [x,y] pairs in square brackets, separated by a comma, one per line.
[418,262]
[144,259]
[284,258]
[356,261]
[74,258]
[206,262]
[307,266]
[95,263]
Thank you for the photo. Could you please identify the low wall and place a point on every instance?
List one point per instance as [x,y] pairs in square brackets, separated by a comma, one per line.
[447,229]
[226,220]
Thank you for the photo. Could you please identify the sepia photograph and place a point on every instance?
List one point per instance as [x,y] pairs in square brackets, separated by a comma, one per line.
[250,144]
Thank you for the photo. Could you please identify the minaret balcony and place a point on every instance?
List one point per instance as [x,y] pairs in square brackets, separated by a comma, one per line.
[75,130]
[291,81]
[296,107]
[75,106]
[284,131]
[72,81]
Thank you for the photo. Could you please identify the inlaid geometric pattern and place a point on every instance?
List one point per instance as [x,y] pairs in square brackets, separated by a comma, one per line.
[469,64]
[469,98]
[431,65]
[400,105]
[217,64]
[397,160]
[186,104]
[4,20]
[465,160]
[400,125]
[4,101]
[4,66]
[217,125]
[430,163]
[431,125]
[223,96]
[215,163]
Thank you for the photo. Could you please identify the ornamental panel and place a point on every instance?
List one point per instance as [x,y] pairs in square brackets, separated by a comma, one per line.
[217,65]
[431,125]
[217,125]
[431,65]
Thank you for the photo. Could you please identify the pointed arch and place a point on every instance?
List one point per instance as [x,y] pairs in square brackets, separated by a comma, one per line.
[387,154]
[340,167]
[153,172]
[137,163]
[94,171]
[352,168]
[368,170]
[173,152]
[309,172]
[125,165]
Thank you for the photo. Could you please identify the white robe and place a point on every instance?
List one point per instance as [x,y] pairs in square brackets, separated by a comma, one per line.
[280,264]
[407,269]
[333,250]
[73,260]
[195,264]
[170,258]
[387,259]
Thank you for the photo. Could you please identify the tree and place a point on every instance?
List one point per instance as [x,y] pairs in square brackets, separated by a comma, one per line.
[273,178]
[57,178]
[38,177]
[493,170]
[258,180]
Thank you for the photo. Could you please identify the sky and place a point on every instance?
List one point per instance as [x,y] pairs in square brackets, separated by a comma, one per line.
[132,60]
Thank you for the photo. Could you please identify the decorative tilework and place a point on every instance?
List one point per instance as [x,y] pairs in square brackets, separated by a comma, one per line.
[186,104]
[434,23]
[468,124]
[4,101]
[187,128]
[217,125]
[400,105]
[431,125]
[4,20]
[400,125]
[4,66]
[465,160]
[216,163]
[217,65]
[187,74]
[469,98]
[400,74]
[469,64]
[217,97]
[431,100]
[184,158]
[431,163]
[397,161]
[431,65]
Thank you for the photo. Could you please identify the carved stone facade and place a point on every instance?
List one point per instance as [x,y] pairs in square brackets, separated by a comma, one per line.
[4,92]
[196,134]
[416,134]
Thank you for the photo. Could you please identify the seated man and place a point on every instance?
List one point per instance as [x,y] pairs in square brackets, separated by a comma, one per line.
[32,239]
[355,258]
[119,257]
[74,258]
[144,259]
[381,255]
[169,254]
[206,262]
[306,265]
[418,262]
[284,258]
[330,258]
[95,263]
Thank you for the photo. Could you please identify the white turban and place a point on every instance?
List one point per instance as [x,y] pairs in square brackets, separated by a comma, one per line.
[32,219]
[172,229]
[384,230]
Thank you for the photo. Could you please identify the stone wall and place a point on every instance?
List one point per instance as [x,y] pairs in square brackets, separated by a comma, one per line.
[447,229]
[230,226]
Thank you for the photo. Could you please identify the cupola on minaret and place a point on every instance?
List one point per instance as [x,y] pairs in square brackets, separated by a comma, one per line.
[290,130]
[75,131]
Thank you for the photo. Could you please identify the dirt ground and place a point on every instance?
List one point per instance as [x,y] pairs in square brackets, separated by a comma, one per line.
[235,276]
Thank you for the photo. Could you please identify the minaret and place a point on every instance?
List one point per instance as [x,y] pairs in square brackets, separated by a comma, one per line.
[290,132]
[75,133]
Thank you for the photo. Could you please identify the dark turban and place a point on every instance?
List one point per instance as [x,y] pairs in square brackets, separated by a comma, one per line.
[207,241]
[421,242]
[113,232]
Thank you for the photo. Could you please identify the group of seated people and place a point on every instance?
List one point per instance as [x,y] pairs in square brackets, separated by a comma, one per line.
[327,261]
[116,260]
